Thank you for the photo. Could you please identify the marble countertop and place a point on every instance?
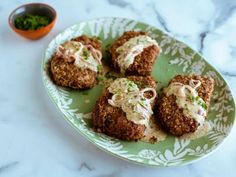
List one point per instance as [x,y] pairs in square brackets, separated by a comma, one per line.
[35,141]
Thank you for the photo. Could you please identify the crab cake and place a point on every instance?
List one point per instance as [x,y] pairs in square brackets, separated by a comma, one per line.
[76,63]
[134,53]
[125,107]
[184,103]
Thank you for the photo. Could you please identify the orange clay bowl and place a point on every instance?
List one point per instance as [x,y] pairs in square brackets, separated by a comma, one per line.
[35,9]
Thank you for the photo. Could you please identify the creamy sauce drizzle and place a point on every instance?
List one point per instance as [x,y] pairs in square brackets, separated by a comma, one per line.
[201,131]
[85,55]
[130,49]
[128,97]
[188,99]
[153,133]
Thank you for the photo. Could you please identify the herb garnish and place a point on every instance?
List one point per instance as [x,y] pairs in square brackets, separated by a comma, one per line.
[85,54]
[131,84]
[100,74]
[202,104]
[141,103]
[199,101]
[99,77]
[192,98]
[111,75]
[31,22]
[99,68]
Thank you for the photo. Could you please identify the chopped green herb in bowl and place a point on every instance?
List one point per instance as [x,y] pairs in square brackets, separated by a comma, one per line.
[31,22]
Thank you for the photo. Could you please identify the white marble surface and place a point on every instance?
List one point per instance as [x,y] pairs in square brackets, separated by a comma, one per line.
[35,140]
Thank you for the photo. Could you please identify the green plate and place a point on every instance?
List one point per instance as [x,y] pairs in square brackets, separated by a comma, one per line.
[176,58]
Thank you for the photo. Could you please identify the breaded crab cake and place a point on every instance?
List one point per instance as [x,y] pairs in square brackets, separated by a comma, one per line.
[125,107]
[134,53]
[184,103]
[76,63]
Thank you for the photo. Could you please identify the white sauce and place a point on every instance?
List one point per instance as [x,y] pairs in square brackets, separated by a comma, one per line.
[188,99]
[201,131]
[128,97]
[130,49]
[153,133]
[85,55]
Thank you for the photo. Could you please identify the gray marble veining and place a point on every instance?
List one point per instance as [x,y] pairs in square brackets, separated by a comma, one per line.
[8,166]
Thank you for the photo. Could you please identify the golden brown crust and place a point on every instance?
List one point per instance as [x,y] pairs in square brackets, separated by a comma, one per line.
[143,63]
[65,73]
[85,40]
[112,120]
[171,116]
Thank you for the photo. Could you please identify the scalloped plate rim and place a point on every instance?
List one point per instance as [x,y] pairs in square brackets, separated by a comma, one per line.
[114,154]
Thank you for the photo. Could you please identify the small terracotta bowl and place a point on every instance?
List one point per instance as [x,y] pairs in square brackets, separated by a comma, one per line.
[35,9]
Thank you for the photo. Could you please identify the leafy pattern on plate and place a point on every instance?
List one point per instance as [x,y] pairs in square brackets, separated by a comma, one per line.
[176,58]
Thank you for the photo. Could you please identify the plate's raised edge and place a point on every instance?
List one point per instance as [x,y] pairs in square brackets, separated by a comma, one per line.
[127,159]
